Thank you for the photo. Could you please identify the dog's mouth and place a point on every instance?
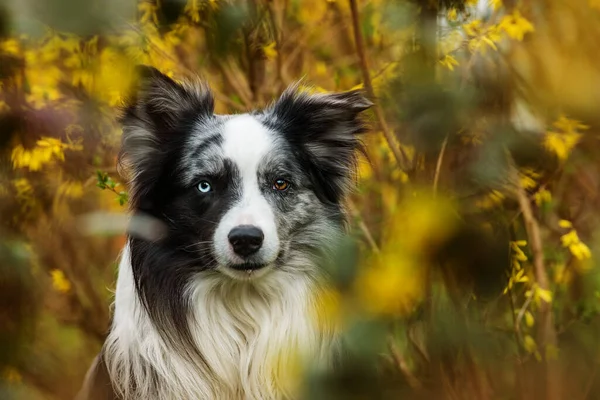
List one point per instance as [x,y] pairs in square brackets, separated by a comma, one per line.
[247,266]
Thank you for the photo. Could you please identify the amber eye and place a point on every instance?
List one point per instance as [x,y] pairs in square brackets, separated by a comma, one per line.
[280,185]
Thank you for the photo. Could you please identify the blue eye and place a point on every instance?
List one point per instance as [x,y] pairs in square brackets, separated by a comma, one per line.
[204,187]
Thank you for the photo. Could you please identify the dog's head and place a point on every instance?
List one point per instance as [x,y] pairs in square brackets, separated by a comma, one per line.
[239,194]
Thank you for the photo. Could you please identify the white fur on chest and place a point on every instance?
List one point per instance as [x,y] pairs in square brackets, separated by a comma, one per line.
[248,335]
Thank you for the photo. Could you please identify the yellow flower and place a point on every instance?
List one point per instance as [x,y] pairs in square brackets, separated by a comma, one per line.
[365,171]
[528,178]
[580,251]
[563,223]
[328,309]
[47,150]
[542,196]
[491,200]
[449,62]
[561,144]
[570,238]
[70,189]
[148,12]
[495,4]
[473,28]
[568,125]
[321,68]
[452,14]
[529,321]
[392,286]
[515,25]
[10,46]
[270,51]
[60,281]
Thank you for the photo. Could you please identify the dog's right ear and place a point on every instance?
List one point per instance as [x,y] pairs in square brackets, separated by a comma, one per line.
[157,112]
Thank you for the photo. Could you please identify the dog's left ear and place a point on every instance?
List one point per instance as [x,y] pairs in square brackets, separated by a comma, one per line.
[324,128]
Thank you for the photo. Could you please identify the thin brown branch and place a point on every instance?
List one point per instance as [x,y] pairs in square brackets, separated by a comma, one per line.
[546,335]
[276,16]
[363,227]
[238,85]
[401,365]
[438,166]
[401,158]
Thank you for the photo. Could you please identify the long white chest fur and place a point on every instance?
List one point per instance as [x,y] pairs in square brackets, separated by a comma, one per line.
[248,339]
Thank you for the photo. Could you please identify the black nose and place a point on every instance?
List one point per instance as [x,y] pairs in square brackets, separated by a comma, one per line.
[245,239]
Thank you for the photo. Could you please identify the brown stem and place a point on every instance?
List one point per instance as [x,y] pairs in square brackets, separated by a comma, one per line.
[400,363]
[276,16]
[401,158]
[546,335]
[438,166]
[363,227]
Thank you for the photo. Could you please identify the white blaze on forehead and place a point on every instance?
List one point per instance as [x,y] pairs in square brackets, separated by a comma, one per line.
[246,142]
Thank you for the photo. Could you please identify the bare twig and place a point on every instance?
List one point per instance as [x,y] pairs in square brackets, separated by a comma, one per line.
[546,330]
[400,363]
[438,166]
[521,314]
[275,13]
[399,155]
[363,227]
[238,85]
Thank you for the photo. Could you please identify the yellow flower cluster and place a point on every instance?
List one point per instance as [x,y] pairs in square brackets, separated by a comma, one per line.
[47,150]
[392,283]
[571,241]
[566,136]
[514,26]
[517,271]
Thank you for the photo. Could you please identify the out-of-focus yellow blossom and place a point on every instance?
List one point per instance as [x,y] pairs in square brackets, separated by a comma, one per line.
[10,46]
[515,25]
[270,51]
[328,309]
[562,141]
[528,177]
[496,4]
[517,273]
[473,28]
[392,282]
[60,281]
[321,68]
[391,286]
[452,14]
[449,62]
[542,196]
[148,11]
[70,189]
[491,200]
[47,150]
[538,294]
[365,171]
[571,241]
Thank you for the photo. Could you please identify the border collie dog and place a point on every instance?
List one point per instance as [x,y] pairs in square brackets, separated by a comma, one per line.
[222,302]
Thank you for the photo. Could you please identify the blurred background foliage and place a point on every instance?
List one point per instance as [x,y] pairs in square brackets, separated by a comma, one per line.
[471,270]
